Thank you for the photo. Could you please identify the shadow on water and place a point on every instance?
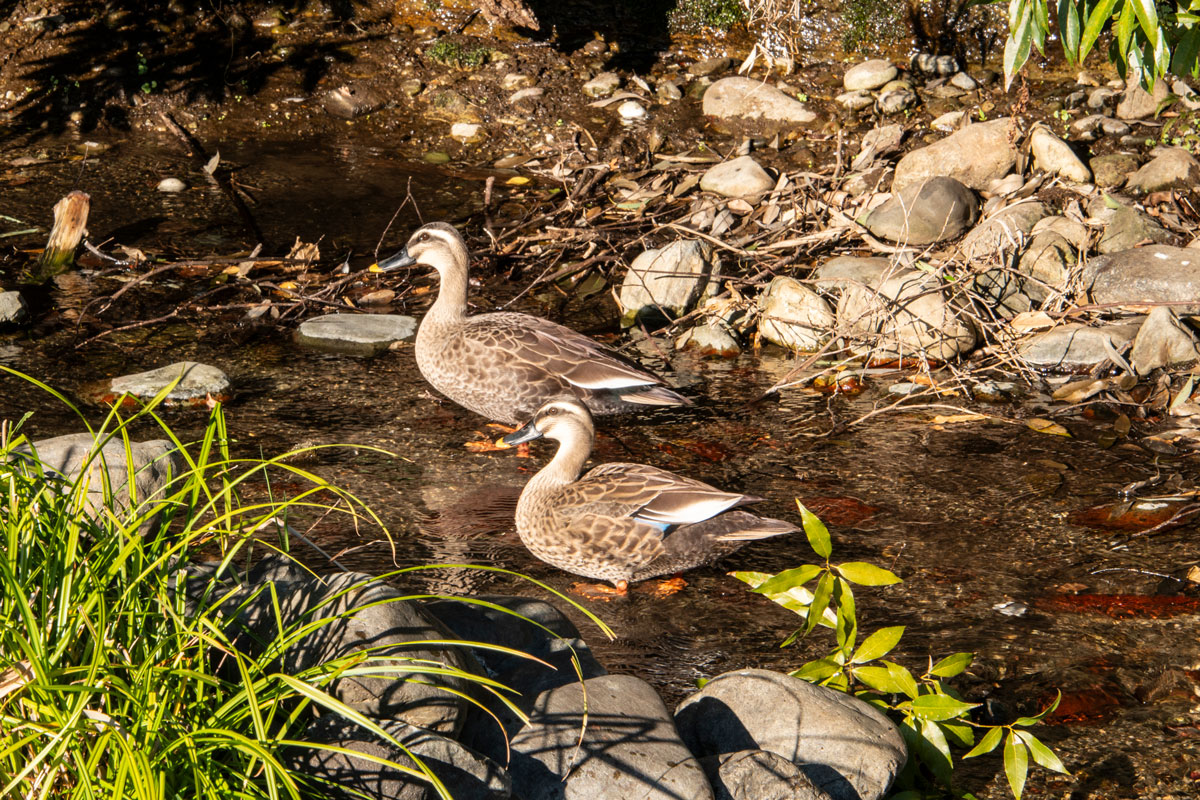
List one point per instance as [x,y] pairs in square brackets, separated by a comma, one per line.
[973,517]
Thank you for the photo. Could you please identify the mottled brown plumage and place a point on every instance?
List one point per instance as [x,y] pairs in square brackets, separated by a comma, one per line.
[623,522]
[505,365]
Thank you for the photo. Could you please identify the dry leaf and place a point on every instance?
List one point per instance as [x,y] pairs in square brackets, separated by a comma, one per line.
[517,180]
[304,252]
[1078,391]
[1031,321]
[1193,574]
[15,677]
[1046,426]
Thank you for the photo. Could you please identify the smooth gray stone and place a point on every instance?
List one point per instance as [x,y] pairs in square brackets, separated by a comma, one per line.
[840,271]
[1048,262]
[1112,169]
[975,155]
[1137,103]
[1162,341]
[709,338]
[869,75]
[665,281]
[847,747]
[1007,293]
[739,177]
[756,103]
[466,774]
[13,310]
[758,775]
[906,315]
[794,316]
[1172,168]
[155,465]
[1075,347]
[1002,231]
[355,334]
[196,382]
[923,213]
[630,749]
[1129,228]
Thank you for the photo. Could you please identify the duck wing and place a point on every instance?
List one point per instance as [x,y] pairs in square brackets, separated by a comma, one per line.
[649,495]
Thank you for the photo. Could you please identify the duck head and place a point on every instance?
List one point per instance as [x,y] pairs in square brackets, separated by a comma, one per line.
[437,245]
[562,419]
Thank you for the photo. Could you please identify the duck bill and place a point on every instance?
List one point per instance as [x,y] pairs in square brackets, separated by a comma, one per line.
[526,434]
[398,261]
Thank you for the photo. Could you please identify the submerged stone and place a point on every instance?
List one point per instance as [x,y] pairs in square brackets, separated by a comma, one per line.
[355,334]
[195,384]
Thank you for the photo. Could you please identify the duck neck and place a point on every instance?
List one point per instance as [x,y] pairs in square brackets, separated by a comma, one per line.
[450,308]
[564,468]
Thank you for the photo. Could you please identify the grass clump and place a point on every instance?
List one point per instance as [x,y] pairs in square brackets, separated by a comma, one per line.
[122,677]
[720,14]
[453,54]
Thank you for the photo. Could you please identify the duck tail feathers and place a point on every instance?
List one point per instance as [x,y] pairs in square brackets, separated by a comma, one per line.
[655,396]
[761,528]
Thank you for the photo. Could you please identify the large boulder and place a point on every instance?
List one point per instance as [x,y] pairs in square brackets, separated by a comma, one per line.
[1075,347]
[908,315]
[665,281]
[610,738]
[1171,168]
[923,213]
[976,155]
[1128,228]
[845,746]
[1152,274]
[794,316]
[758,775]
[754,106]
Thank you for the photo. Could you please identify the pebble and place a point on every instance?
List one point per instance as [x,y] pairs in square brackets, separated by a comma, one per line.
[740,177]
[631,110]
[13,310]
[526,95]
[869,75]
[709,66]
[602,85]
[355,334]
[964,81]
[950,121]
[411,87]
[897,100]
[466,132]
[1100,98]
[1055,156]
[855,101]
[668,91]
[514,81]
[171,185]
[350,102]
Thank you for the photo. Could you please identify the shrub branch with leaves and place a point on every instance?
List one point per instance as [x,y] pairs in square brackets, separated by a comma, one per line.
[933,718]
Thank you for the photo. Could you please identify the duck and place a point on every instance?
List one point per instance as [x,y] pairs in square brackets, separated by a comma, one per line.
[505,365]
[619,522]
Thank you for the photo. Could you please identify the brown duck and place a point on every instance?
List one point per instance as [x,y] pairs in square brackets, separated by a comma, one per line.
[505,365]
[623,522]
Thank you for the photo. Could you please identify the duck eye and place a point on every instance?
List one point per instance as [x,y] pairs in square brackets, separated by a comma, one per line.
[424,237]
[552,411]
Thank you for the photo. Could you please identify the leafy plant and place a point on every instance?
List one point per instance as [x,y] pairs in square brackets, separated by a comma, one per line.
[450,53]
[932,716]
[114,680]
[1148,40]
[719,14]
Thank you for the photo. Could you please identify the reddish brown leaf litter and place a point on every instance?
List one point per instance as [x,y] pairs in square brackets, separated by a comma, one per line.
[1140,515]
[1085,707]
[1121,606]
[842,512]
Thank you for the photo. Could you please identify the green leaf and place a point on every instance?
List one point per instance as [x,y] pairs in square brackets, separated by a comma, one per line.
[847,620]
[878,644]
[1016,49]
[934,750]
[815,530]
[1068,28]
[1042,755]
[1016,764]
[789,579]
[865,574]
[987,744]
[953,665]
[938,707]
[1045,712]
[817,671]
[1123,30]
[820,602]
[1147,16]
[878,678]
[1101,13]
[904,678]
[960,733]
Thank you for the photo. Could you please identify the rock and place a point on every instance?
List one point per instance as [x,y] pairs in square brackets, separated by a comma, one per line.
[1047,262]
[1075,347]
[631,110]
[845,746]
[1075,99]
[1111,170]
[950,121]
[466,132]
[1055,156]
[171,185]
[665,281]
[1137,103]
[13,309]
[740,177]
[975,156]
[602,85]
[411,87]
[668,91]
[1162,341]
[754,105]
[355,334]
[1171,168]
[1005,293]
[869,75]
[515,81]
[197,383]
[1073,231]
[1101,97]
[1092,127]
[946,65]
[903,316]
[711,337]
[350,102]
[876,143]
[155,465]
[1129,228]
[1186,94]
[526,95]
[855,101]
[629,748]
[842,271]
[794,316]
[368,614]
[1002,231]
[1152,274]
[465,774]
[450,106]
[964,81]
[709,66]
[758,775]
[896,100]
[595,47]
[932,211]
